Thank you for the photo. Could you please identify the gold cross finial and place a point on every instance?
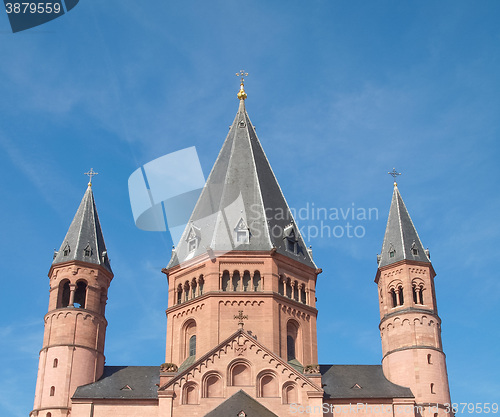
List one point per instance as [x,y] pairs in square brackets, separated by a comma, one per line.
[241,94]
[240,318]
[91,174]
[394,174]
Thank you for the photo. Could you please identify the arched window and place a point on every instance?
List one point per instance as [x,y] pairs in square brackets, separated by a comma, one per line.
[193,288]
[239,374]
[246,281]
[302,294]
[64,292]
[201,282]
[401,299]
[48,415]
[429,359]
[236,281]
[288,288]
[292,335]
[225,281]
[186,291]
[192,345]
[394,298]
[188,339]
[256,281]
[281,287]
[80,294]
[267,385]
[179,294]
[290,347]
[415,296]
[296,291]
[190,393]
[52,391]
[55,363]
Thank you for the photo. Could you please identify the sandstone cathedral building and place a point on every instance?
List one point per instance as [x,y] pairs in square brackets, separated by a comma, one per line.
[241,317]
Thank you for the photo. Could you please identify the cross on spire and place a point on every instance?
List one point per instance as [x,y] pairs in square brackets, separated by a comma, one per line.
[394,175]
[240,317]
[241,94]
[91,174]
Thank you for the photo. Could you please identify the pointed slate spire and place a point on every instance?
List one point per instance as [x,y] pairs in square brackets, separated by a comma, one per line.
[241,206]
[84,240]
[401,241]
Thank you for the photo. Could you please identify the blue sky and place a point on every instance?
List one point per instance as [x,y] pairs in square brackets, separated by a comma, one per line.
[340,93]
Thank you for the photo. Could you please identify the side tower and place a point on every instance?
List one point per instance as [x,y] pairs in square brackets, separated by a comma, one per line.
[242,251]
[410,327]
[75,326]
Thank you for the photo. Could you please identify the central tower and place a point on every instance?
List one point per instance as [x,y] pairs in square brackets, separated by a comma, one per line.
[241,251]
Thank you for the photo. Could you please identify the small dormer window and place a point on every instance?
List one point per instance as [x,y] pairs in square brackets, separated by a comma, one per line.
[66,250]
[414,249]
[290,245]
[88,250]
[193,238]
[242,234]
[290,239]
[392,251]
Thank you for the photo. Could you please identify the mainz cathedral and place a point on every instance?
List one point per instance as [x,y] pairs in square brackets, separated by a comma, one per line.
[241,315]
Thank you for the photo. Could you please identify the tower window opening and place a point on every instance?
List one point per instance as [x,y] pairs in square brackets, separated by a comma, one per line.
[256,281]
[432,389]
[303,295]
[415,295]
[80,294]
[201,281]
[394,298]
[421,296]
[429,359]
[55,363]
[66,250]
[225,281]
[246,281]
[236,281]
[281,287]
[392,253]
[401,298]
[192,245]
[288,288]
[415,251]
[296,291]
[52,391]
[87,251]
[179,294]
[290,245]
[65,294]
[48,415]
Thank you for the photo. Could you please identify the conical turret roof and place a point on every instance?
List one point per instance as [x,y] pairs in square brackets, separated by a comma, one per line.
[84,240]
[241,206]
[401,241]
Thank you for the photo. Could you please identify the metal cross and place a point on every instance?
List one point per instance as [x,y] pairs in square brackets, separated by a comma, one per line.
[394,173]
[91,174]
[240,318]
[242,74]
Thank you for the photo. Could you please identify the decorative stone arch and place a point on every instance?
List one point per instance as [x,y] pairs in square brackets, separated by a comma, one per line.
[190,393]
[293,340]
[81,293]
[267,384]
[290,393]
[239,373]
[212,385]
[188,331]
[63,293]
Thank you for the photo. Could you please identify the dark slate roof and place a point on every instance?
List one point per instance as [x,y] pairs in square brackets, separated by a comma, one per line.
[84,233]
[240,401]
[239,191]
[400,235]
[123,382]
[339,381]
